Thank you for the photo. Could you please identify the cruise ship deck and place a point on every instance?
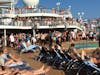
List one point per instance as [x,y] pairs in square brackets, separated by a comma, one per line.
[34,18]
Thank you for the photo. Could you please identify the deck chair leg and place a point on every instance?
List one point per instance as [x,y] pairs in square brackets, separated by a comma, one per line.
[22,51]
[33,50]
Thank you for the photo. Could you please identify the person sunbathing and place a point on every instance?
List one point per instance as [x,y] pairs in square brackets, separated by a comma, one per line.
[94,58]
[72,51]
[34,72]
[7,58]
[4,72]
[17,71]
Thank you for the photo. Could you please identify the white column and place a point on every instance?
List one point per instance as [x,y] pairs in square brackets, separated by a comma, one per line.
[5,39]
[34,32]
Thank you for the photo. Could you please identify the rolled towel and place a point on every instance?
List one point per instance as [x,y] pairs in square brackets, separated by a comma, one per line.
[16,64]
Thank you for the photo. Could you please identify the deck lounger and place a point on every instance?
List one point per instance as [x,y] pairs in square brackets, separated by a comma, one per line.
[16,64]
[29,48]
[2,61]
[20,65]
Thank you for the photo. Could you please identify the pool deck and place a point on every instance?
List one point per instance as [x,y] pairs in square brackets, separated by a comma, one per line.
[88,50]
[27,57]
[65,45]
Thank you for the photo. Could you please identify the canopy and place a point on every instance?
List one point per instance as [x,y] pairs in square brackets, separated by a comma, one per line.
[5,1]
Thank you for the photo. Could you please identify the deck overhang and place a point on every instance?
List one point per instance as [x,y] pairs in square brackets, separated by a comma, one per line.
[15,27]
[5,2]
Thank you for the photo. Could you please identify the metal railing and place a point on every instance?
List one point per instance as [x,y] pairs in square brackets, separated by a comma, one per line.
[40,23]
[36,10]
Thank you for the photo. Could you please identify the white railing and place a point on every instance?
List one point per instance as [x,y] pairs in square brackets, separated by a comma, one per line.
[36,10]
[41,24]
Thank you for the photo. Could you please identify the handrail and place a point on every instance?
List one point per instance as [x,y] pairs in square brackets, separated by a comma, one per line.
[38,10]
[38,23]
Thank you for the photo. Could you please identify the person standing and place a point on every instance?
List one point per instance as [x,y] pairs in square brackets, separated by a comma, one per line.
[99,40]
[12,40]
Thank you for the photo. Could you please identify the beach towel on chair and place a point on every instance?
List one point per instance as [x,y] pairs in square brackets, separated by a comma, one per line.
[20,65]
[28,48]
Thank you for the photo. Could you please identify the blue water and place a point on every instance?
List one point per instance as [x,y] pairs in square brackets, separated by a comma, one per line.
[98,30]
[86,45]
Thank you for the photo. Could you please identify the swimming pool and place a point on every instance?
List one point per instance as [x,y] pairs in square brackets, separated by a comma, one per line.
[86,45]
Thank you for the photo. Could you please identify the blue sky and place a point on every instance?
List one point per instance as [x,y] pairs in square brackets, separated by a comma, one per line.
[91,8]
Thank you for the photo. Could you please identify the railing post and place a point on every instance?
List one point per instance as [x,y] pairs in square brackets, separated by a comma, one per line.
[5,40]
[99,37]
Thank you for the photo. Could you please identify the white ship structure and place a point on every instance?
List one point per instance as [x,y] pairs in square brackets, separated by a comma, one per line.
[34,17]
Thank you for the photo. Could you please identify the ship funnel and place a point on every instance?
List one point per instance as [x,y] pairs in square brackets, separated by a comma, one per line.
[31,3]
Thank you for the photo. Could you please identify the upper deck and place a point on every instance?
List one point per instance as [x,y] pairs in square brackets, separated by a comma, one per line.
[27,12]
[41,16]
[38,18]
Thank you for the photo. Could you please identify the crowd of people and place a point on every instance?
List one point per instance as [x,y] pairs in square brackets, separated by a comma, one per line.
[49,37]
[7,58]
[43,39]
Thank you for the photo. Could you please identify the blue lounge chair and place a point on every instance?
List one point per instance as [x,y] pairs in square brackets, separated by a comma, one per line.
[29,48]
[20,65]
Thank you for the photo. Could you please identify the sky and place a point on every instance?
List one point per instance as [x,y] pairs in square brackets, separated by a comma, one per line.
[91,8]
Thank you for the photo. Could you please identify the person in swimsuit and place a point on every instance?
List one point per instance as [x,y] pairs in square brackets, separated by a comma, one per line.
[4,72]
[94,57]
[7,58]
[34,72]
[16,71]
